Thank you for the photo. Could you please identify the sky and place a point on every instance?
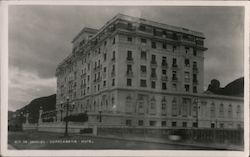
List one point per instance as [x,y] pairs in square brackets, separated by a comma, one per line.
[40,38]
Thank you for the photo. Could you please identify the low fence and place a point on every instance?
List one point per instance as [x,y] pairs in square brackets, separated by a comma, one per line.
[225,136]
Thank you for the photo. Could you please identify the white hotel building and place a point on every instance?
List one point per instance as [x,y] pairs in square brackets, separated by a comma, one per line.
[138,73]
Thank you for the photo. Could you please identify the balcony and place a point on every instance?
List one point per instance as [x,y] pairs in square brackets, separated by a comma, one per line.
[129,74]
[174,79]
[164,78]
[83,75]
[143,74]
[153,63]
[195,70]
[83,85]
[99,67]
[153,77]
[195,81]
[164,65]
[174,66]
[130,60]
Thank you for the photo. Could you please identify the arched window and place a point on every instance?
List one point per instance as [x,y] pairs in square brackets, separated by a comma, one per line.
[230,111]
[128,106]
[212,110]
[164,106]
[174,107]
[238,112]
[221,110]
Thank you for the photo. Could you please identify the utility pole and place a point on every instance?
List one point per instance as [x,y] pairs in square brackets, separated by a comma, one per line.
[66,117]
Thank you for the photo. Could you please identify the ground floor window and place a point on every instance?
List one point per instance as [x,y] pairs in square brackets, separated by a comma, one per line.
[163,123]
[184,124]
[128,122]
[173,124]
[195,125]
[212,125]
[152,123]
[140,122]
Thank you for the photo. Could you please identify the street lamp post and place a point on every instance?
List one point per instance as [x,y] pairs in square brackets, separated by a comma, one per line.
[66,117]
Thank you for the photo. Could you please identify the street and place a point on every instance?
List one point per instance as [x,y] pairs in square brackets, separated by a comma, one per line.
[47,141]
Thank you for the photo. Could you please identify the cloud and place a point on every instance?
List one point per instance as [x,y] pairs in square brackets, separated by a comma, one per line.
[40,38]
[25,86]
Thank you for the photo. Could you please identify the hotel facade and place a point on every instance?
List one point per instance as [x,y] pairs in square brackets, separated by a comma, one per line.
[138,73]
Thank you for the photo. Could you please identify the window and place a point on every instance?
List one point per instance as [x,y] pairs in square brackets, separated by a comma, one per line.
[153,58]
[143,83]
[140,122]
[113,41]
[174,62]
[164,85]
[212,110]
[104,83]
[142,27]
[104,69]
[129,82]
[143,40]
[143,69]
[99,50]
[186,87]
[113,55]
[153,84]
[187,63]
[174,48]
[173,124]
[221,110]
[164,45]
[184,124]
[113,82]
[238,112]
[230,111]
[212,125]
[129,55]
[194,89]
[152,123]
[194,65]
[186,49]
[195,78]
[153,72]
[164,72]
[221,125]
[104,56]
[153,44]
[129,39]
[163,123]
[105,43]
[129,67]
[128,122]
[194,52]
[143,55]
[195,125]
[174,86]
[174,107]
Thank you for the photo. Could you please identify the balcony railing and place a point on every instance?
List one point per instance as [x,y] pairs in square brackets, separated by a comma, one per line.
[164,65]
[153,77]
[195,81]
[130,60]
[164,78]
[83,75]
[153,63]
[129,74]
[195,70]
[174,79]
[113,59]
[143,74]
